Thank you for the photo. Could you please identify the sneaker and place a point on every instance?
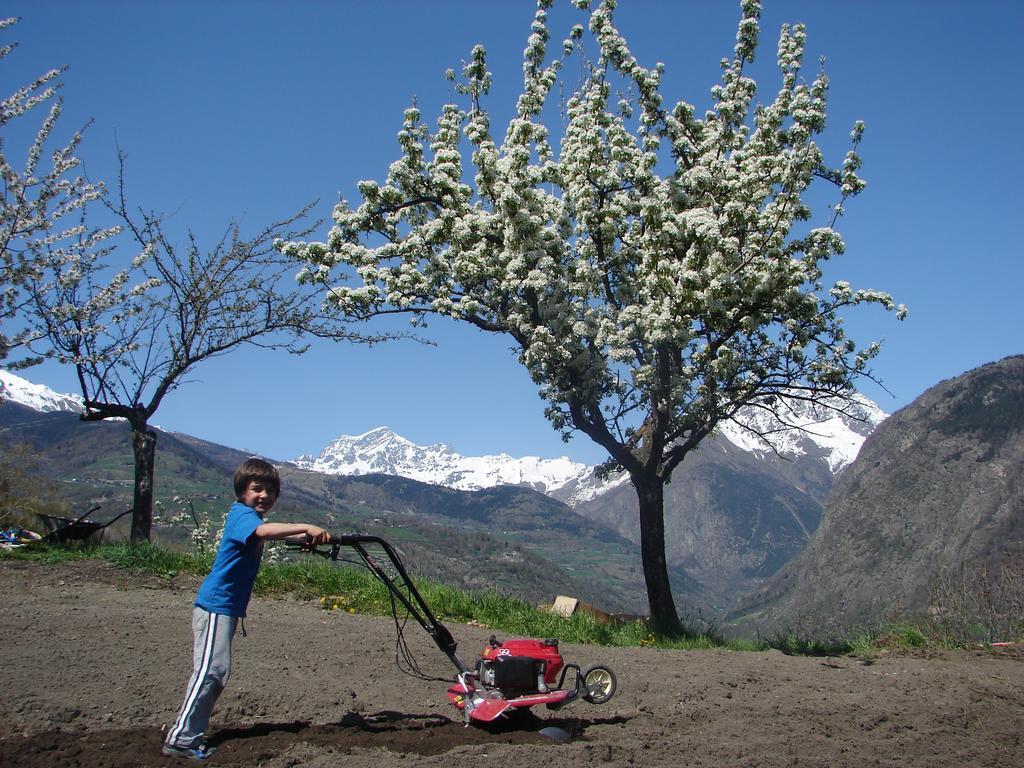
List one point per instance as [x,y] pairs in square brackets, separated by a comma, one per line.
[201,752]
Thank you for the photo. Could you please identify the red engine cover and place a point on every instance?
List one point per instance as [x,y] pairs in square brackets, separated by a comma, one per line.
[543,650]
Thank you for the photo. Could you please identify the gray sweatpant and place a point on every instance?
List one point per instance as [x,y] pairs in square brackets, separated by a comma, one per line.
[211,660]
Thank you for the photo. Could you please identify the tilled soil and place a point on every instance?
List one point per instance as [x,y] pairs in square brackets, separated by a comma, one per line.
[96,661]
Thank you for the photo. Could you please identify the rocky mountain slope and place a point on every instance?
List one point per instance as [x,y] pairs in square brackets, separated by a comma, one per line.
[937,487]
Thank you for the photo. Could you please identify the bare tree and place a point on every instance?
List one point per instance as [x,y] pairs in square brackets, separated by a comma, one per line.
[24,489]
[134,346]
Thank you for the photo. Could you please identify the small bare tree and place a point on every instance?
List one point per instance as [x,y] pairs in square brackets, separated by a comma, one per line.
[24,488]
[133,346]
[132,334]
[981,601]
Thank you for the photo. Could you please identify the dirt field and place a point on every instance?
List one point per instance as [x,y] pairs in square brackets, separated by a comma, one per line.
[95,668]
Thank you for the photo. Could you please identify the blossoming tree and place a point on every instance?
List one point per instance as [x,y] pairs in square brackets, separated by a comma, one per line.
[654,270]
[43,202]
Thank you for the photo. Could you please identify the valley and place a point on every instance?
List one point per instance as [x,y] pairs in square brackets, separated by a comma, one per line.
[802,537]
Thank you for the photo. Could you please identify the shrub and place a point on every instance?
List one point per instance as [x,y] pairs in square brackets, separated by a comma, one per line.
[982,603]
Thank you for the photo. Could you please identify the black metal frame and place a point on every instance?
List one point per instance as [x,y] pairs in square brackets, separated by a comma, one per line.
[404,590]
[59,529]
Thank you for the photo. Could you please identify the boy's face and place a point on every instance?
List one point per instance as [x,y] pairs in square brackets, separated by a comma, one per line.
[259,496]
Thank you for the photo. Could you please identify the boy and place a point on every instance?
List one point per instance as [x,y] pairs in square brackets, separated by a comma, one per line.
[224,596]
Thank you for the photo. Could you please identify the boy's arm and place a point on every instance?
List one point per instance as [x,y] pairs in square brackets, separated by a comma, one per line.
[314,534]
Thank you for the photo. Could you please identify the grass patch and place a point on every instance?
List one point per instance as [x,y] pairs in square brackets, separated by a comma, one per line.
[355,590]
[40,552]
[350,588]
[900,637]
[799,645]
[153,559]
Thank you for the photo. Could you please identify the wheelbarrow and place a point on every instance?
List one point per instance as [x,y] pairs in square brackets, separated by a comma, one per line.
[60,529]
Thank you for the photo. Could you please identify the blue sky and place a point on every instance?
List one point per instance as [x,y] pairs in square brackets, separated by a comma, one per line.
[247,110]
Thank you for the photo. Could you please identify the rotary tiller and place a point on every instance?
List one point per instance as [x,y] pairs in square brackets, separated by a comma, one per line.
[509,675]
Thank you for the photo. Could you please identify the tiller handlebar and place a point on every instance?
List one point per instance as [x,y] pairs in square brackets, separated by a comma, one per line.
[509,674]
[400,586]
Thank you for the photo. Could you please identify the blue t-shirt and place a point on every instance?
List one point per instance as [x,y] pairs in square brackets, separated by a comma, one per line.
[228,586]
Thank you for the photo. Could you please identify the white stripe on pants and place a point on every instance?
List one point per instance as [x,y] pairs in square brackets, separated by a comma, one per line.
[211,659]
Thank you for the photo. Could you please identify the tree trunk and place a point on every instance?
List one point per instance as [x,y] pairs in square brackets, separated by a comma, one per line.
[144,447]
[651,495]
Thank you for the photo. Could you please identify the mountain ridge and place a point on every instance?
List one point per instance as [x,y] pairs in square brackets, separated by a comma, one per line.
[477,544]
[935,493]
[831,435]
[38,397]
[382,451]
[737,509]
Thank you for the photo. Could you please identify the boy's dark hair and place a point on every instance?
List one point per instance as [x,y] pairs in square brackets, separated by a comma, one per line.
[259,470]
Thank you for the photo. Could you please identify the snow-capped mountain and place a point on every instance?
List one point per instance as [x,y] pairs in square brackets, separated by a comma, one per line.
[810,433]
[835,434]
[382,451]
[813,432]
[36,396]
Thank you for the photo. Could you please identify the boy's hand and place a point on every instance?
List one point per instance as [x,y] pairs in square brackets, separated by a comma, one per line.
[316,535]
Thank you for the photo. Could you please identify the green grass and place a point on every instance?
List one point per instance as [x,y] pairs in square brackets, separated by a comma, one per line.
[796,645]
[893,637]
[899,637]
[151,559]
[353,589]
[346,587]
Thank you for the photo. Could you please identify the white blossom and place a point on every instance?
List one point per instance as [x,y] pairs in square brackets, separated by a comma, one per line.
[646,267]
